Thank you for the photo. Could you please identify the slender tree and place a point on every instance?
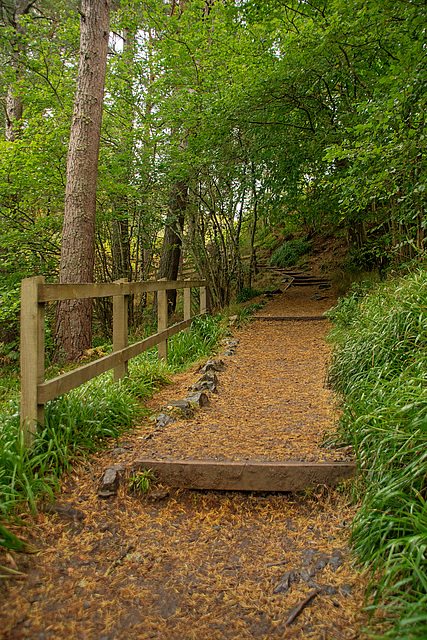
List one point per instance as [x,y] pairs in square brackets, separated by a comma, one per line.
[74,318]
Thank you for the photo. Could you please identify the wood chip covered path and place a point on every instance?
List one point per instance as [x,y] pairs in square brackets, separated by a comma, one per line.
[205,565]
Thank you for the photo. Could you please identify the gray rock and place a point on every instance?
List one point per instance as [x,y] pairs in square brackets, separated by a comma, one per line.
[199,398]
[118,451]
[286,581]
[178,409]
[204,385]
[163,419]
[230,343]
[336,559]
[110,481]
[209,376]
[329,590]
[213,365]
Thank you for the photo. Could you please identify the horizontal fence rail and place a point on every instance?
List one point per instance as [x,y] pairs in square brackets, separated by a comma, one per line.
[35,390]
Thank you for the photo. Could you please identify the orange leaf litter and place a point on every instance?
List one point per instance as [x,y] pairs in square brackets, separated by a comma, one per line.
[206,565]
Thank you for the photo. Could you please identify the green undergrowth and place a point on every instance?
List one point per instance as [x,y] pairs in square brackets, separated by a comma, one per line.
[86,420]
[288,254]
[379,368]
[247,293]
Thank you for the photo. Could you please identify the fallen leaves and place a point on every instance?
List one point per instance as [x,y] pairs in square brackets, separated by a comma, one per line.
[204,565]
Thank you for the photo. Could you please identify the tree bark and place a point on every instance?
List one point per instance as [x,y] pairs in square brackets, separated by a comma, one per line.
[120,239]
[74,318]
[172,240]
[14,104]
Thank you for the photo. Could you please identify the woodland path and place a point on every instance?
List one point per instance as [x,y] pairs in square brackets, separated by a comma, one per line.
[182,564]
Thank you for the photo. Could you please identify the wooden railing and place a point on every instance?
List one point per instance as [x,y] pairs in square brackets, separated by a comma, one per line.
[35,391]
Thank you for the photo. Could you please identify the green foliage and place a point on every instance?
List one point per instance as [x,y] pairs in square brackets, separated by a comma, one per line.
[186,347]
[247,293]
[289,253]
[9,541]
[346,311]
[379,366]
[75,425]
[141,481]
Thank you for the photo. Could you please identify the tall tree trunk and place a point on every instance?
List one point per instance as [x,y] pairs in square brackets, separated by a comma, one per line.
[74,318]
[172,240]
[14,105]
[120,247]
[120,240]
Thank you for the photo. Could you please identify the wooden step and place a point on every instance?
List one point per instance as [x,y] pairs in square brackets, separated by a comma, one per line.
[289,318]
[246,475]
[309,283]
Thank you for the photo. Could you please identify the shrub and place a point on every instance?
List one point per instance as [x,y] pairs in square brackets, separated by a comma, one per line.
[247,293]
[289,253]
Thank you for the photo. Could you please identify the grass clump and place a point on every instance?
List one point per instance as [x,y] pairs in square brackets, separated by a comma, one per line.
[141,481]
[75,425]
[199,342]
[379,367]
[289,253]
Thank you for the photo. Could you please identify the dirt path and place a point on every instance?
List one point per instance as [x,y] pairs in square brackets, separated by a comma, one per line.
[206,565]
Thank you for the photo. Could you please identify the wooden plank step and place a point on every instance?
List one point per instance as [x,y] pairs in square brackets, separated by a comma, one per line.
[289,318]
[314,283]
[246,475]
[309,278]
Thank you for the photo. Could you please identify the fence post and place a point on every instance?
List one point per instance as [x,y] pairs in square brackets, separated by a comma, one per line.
[187,304]
[203,300]
[120,329]
[162,320]
[32,356]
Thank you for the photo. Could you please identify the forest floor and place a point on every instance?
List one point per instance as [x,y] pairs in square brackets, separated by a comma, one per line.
[180,564]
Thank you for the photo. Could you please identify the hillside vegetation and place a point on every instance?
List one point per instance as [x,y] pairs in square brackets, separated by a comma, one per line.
[379,369]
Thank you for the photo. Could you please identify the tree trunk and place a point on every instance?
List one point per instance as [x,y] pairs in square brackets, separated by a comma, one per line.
[120,239]
[172,240]
[74,318]
[14,105]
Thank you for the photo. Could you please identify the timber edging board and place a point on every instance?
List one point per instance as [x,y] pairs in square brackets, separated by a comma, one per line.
[289,318]
[246,475]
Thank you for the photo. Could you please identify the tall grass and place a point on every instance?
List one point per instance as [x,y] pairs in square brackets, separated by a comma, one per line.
[379,368]
[85,420]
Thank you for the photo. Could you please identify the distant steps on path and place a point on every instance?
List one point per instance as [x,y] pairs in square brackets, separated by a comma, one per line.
[289,318]
[299,278]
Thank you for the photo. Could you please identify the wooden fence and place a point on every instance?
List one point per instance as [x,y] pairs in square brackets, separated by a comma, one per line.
[35,391]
